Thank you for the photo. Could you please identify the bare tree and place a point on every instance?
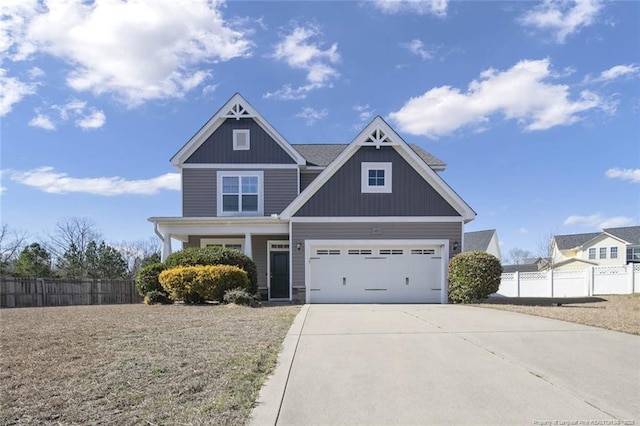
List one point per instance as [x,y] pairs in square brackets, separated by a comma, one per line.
[137,252]
[73,231]
[11,243]
[518,255]
[545,250]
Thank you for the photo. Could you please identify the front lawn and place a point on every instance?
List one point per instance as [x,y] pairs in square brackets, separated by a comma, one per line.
[136,364]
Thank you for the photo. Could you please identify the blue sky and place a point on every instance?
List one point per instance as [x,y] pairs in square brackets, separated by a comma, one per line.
[534,106]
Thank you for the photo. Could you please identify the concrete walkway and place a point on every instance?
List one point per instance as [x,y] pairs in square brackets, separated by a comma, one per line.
[448,364]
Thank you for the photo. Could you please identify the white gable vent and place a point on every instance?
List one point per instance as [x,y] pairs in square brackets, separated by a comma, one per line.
[241,141]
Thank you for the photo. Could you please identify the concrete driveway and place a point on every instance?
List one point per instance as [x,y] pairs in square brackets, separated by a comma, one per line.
[449,364]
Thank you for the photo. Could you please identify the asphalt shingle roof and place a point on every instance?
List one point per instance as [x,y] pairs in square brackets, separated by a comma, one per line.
[323,154]
[630,234]
[478,240]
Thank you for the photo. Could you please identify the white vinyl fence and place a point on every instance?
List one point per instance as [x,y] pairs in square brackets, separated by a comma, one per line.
[588,282]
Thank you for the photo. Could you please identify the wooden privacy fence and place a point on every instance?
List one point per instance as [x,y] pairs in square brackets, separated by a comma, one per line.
[26,292]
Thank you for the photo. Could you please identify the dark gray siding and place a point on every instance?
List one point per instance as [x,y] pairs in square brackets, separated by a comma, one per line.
[411,194]
[199,193]
[307,177]
[259,248]
[280,188]
[218,148]
[301,232]
[199,198]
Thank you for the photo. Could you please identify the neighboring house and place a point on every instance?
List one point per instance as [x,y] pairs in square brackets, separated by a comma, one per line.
[486,241]
[367,222]
[611,247]
[529,264]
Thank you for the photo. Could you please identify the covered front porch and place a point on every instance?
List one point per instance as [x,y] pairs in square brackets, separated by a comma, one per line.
[265,240]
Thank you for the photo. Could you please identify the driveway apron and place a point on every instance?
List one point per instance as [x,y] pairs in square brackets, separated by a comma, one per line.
[449,364]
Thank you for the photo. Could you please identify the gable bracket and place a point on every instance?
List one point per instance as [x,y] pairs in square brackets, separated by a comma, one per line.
[378,138]
[238,111]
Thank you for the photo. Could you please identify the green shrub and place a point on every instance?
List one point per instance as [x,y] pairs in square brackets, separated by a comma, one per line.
[473,276]
[195,284]
[215,256]
[241,297]
[156,297]
[147,279]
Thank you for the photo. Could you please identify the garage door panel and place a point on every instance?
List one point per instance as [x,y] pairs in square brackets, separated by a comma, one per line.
[375,274]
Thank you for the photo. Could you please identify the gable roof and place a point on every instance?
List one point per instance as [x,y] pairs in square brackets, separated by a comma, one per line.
[237,107]
[628,234]
[571,241]
[323,154]
[377,134]
[524,267]
[478,240]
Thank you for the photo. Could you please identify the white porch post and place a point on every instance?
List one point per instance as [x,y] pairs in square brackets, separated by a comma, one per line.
[248,249]
[166,247]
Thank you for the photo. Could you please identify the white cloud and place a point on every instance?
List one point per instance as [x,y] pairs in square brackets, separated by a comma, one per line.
[417,47]
[614,73]
[35,73]
[94,120]
[299,51]
[42,121]
[562,17]
[365,113]
[311,115]
[523,231]
[138,50]
[420,7]
[48,180]
[632,175]
[12,91]
[522,93]
[598,221]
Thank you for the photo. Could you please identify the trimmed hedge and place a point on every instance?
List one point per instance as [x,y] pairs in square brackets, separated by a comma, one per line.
[216,256]
[147,279]
[473,276]
[241,297]
[195,284]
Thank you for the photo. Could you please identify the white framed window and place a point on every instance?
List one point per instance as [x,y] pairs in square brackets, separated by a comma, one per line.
[240,193]
[613,252]
[592,253]
[376,177]
[603,252]
[241,140]
[230,243]
[633,254]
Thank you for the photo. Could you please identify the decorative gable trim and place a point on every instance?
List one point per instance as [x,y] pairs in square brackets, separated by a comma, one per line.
[378,133]
[236,108]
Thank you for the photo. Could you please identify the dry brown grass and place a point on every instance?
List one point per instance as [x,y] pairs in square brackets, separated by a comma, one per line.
[613,312]
[136,364]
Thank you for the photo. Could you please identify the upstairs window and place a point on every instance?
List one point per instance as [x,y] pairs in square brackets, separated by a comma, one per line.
[592,253]
[240,194]
[633,254]
[613,252]
[603,252]
[376,177]
[241,140]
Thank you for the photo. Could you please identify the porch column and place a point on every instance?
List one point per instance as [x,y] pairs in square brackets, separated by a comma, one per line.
[248,250]
[166,247]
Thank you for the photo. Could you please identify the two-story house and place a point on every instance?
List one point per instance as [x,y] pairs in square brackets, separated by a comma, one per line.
[611,247]
[371,221]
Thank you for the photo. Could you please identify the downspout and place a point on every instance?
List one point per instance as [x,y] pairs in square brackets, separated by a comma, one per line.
[155,229]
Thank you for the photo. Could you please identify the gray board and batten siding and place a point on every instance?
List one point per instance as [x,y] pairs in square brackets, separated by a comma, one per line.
[218,148]
[259,249]
[302,232]
[411,195]
[199,186]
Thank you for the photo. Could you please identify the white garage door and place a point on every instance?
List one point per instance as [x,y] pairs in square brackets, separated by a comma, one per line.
[375,273]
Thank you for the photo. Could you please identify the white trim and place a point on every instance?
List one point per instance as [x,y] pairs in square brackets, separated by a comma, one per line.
[365,167]
[219,117]
[309,244]
[230,166]
[313,169]
[427,173]
[222,242]
[270,248]
[247,139]
[229,173]
[385,219]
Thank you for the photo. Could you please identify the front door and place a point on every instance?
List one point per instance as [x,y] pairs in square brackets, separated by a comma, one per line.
[279,270]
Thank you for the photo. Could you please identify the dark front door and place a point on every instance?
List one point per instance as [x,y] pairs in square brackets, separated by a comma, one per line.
[279,280]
